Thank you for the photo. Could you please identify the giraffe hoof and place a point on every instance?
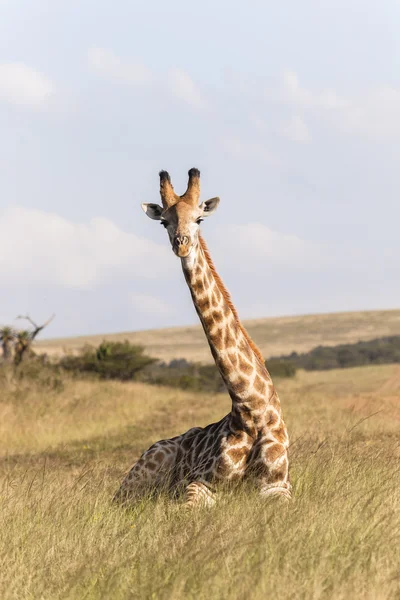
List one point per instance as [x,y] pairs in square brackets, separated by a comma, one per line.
[277,492]
[198,494]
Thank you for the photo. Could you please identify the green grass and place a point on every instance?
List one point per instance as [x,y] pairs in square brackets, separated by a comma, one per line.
[64,447]
[275,336]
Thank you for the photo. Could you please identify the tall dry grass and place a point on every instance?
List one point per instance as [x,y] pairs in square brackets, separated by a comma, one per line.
[64,446]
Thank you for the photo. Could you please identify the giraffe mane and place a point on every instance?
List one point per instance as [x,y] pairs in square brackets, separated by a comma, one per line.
[228,299]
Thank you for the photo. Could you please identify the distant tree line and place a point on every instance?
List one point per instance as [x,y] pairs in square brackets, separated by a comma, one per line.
[380,351]
[124,361]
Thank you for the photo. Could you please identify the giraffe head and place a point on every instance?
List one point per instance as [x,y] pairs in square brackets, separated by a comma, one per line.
[181,215]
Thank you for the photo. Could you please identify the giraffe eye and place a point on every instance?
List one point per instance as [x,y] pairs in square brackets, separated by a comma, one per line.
[164,223]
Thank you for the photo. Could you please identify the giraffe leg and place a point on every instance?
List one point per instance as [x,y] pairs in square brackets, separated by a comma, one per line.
[199,494]
[274,472]
[152,472]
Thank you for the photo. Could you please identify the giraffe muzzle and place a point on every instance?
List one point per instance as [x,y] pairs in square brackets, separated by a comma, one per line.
[182,245]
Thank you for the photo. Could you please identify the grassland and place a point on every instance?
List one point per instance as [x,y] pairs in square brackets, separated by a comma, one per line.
[274,336]
[65,445]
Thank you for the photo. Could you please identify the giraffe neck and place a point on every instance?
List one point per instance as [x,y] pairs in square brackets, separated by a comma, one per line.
[239,361]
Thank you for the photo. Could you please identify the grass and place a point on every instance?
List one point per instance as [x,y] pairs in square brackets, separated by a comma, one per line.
[65,445]
[275,336]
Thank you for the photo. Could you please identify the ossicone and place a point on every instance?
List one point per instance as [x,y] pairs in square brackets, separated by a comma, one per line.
[168,196]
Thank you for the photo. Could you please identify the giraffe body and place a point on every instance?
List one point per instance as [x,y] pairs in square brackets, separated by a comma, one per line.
[251,441]
[202,460]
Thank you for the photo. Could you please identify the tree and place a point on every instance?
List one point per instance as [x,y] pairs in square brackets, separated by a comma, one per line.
[22,344]
[7,337]
[25,338]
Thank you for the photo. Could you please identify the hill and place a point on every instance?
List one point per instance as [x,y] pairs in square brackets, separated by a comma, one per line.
[274,336]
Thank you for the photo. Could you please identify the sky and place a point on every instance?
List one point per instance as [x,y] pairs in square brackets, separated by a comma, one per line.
[290,110]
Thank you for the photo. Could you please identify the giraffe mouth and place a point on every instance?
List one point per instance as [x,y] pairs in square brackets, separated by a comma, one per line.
[182,251]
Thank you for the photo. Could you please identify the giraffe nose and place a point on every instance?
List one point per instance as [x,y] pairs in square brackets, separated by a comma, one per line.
[181,240]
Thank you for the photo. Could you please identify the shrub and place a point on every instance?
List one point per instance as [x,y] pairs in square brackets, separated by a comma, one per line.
[111,360]
[184,375]
[281,368]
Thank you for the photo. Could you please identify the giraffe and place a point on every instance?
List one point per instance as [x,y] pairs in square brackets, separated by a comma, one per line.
[251,441]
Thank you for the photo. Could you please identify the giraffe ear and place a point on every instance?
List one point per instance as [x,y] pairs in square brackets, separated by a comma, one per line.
[152,210]
[209,206]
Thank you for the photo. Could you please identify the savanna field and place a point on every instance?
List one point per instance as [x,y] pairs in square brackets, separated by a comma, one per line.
[66,443]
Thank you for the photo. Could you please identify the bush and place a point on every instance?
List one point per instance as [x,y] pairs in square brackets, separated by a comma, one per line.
[281,368]
[111,360]
[184,375]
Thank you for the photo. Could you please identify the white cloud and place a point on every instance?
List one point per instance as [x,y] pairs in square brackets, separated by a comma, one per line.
[150,305]
[250,151]
[255,243]
[38,247]
[176,83]
[375,114]
[293,89]
[296,129]
[107,63]
[256,248]
[19,84]
[294,92]
[184,88]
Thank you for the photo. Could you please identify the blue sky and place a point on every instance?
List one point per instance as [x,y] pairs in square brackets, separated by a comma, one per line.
[291,112]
